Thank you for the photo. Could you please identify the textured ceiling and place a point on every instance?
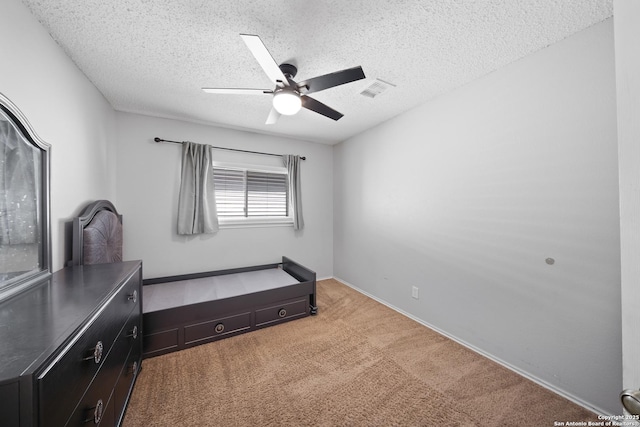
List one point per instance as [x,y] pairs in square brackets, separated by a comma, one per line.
[154,56]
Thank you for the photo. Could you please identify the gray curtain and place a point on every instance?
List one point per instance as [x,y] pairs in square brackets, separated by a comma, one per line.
[197,201]
[292,163]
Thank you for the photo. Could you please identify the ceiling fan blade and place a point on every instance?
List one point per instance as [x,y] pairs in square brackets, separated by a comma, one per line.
[273,117]
[326,81]
[264,58]
[237,91]
[320,108]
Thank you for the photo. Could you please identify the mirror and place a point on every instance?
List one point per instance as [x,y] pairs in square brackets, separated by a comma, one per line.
[25,255]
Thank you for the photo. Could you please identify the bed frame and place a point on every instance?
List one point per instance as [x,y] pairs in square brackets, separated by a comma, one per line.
[186,326]
[97,238]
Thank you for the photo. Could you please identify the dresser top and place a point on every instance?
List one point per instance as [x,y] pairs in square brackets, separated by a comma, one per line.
[38,321]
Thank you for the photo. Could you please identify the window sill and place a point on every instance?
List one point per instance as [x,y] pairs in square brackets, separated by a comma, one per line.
[254,222]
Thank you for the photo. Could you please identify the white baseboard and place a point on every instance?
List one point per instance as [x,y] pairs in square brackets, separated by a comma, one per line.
[543,383]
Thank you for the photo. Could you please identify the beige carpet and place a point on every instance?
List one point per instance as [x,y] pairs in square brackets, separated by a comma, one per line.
[357,363]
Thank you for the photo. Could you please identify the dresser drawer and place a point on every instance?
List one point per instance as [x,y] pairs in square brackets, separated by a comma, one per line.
[63,383]
[125,382]
[128,340]
[217,327]
[282,311]
[95,408]
[105,381]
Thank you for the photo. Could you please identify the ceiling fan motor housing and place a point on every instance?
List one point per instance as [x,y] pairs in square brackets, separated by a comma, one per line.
[288,70]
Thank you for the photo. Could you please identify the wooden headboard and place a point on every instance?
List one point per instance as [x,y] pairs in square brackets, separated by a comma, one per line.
[97,235]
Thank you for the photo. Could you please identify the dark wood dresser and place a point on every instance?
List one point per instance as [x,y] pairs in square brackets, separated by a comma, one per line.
[71,347]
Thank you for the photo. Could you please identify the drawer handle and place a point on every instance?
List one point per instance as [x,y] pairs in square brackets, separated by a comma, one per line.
[134,332]
[219,328]
[97,413]
[133,297]
[282,312]
[96,353]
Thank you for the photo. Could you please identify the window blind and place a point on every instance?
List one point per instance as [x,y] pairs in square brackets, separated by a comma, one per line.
[230,194]
[247,193]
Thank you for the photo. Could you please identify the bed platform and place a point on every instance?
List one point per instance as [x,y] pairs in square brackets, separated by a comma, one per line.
[192,309]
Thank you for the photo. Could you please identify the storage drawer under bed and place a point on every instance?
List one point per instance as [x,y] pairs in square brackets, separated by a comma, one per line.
[159,340]
[281,311]
[217,327]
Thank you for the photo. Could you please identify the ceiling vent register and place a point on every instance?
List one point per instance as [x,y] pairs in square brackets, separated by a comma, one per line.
[376,88]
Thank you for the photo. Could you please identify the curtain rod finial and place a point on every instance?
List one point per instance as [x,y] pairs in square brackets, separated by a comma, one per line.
[156,139]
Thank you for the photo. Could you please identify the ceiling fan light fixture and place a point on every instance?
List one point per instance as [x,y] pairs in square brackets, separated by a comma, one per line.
[287,102]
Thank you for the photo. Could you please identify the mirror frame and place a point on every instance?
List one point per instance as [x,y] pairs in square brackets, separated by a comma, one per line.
[8,289]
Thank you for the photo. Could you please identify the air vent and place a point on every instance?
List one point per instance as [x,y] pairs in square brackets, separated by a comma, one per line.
[376,88]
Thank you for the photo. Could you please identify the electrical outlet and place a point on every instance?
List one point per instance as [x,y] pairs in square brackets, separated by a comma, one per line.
[414,292]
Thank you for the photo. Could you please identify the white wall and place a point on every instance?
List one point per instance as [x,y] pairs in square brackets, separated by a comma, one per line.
[627,34]
[466,196]
[148,181]
[66,111]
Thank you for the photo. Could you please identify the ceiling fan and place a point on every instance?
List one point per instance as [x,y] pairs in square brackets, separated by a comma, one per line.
[289,96]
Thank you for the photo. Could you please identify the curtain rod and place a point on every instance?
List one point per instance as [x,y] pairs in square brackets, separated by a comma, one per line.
[156,139]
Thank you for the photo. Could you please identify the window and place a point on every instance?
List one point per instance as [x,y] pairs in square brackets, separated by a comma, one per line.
[250,196]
